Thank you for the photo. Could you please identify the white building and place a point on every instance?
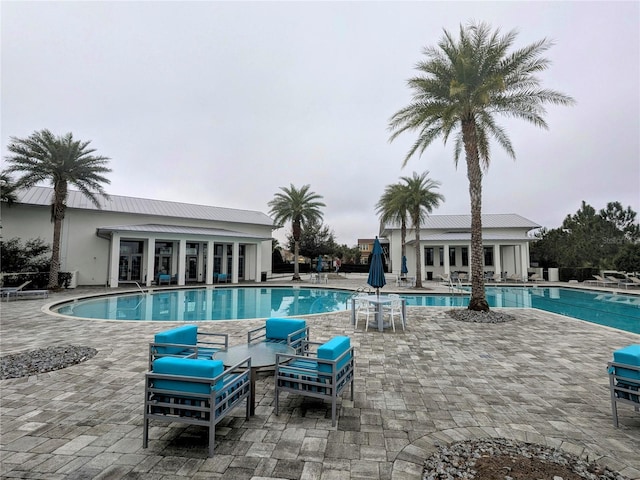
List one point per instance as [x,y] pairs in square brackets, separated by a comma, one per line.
[445,242]
[134,239]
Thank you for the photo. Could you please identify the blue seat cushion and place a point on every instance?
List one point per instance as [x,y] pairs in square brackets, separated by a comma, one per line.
[185,335]
[332,350]
[280,328]
[190,367]
[629,356]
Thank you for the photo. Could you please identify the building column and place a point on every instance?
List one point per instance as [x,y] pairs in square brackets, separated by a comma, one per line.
[445,252]
[258,261]
[151,256]
[497,259]
[210,254]
[114,266]
[235,261]
[524,259]
[182,261]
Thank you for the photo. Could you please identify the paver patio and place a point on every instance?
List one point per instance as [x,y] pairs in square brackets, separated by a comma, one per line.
[541,379]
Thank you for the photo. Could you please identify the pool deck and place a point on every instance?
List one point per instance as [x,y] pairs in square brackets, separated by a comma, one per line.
[541,379]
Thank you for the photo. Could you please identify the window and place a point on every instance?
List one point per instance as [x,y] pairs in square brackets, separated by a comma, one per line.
[465,257]
[428,256]
[488,256]
[452,257]
[441,254]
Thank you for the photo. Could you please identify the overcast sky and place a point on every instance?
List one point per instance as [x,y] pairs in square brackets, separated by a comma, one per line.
[223,103]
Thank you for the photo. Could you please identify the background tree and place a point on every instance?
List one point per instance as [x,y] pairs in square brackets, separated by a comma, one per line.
[7,189]
[463,85]
[420,198]
[30,257]
[299,206]
[392,208]
[628,258]
[60,161]
[588,239]
[315,239]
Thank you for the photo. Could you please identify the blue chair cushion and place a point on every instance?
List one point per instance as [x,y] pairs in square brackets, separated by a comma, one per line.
[189,367]
[332,351]
[629,356]
[185,335]
[280,328]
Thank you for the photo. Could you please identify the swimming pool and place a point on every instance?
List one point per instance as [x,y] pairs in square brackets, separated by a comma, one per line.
[236,303]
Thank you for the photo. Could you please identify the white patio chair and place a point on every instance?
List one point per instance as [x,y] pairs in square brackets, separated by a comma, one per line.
[364,307]
[394,308]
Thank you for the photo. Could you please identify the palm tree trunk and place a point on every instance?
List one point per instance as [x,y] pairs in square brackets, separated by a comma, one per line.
[478,301]
[418,255]
[296,264]
[57,215]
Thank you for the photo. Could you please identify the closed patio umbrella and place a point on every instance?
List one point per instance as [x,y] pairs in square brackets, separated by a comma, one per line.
[376,268]
[320,265]
[404,270]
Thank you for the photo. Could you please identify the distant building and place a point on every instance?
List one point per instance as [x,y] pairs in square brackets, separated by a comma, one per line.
[134,239]
[445,243]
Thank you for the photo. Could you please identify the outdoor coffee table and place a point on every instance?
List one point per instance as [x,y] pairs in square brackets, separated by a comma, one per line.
[263,354]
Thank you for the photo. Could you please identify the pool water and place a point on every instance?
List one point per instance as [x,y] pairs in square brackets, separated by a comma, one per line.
[613,310]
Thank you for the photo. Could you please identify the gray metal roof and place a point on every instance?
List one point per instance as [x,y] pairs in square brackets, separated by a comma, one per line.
[178,229]
[463,222]
[143,206]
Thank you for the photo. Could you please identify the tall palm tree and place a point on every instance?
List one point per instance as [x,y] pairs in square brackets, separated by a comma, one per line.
[300,207]
[61,161]
[420,198]
[463,85]
[392,207]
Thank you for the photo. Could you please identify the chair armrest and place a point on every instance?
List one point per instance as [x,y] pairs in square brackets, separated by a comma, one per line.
[299,343]
[219,340]
[256,334]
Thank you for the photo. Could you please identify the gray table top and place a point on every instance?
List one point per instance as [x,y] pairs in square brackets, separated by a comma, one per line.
[263,354]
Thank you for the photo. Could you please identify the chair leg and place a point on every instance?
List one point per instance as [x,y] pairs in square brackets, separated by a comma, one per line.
[212,437]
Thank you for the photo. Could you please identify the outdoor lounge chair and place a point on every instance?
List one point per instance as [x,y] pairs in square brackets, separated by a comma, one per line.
[290,331]
[186,341]
[196,392]
[536,278]
[324,374]
[604,281]
[8,291]
[624,379]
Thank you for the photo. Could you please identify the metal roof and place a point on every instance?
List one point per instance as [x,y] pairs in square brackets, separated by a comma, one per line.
[43,196]
[178,229]
[463,222]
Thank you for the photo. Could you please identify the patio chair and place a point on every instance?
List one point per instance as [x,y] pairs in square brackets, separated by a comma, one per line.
[291,331]
[624,379]
[323,374]
[195,392]
[364,307]
[394,308]
[186,341]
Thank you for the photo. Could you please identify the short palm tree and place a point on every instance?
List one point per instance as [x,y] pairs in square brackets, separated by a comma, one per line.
[420,198]
[392,208]
[463,85]
[300,207]
[61,161]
